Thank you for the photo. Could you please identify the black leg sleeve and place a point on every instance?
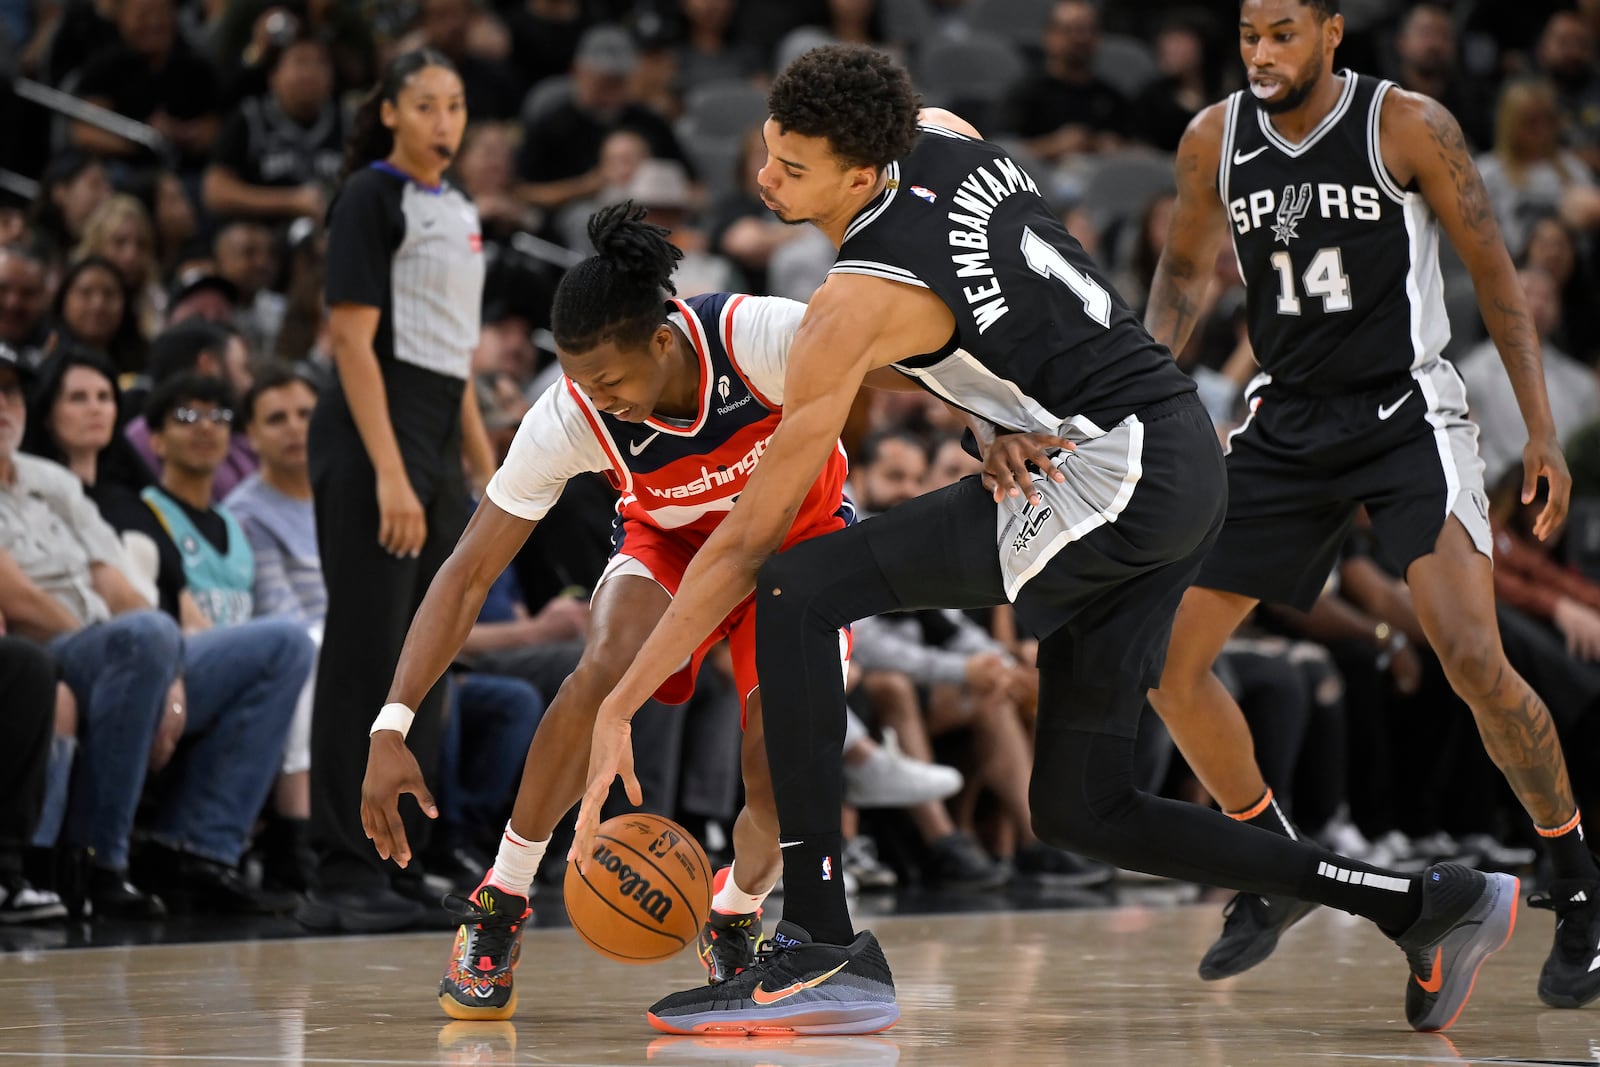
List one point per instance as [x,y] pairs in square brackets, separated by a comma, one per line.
[28,680]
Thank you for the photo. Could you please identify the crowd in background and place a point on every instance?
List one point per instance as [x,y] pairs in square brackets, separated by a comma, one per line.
[161,313]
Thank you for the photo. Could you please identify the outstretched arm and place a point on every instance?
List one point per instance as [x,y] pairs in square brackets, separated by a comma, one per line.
[1183,275]
[1422,140]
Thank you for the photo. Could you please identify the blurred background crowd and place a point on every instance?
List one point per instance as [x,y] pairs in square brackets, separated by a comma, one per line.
[162,319]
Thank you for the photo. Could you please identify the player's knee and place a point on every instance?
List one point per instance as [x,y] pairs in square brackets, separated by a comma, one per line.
[583,690]
[1474,662]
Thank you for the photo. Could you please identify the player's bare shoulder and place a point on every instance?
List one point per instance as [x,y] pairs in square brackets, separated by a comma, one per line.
[949,120]
[1415,131]
[1200,151]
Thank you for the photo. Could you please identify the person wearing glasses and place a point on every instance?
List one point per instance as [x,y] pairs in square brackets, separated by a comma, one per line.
[204,705]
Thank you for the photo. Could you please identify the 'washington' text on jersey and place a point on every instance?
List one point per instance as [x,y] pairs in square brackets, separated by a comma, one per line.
[978,195]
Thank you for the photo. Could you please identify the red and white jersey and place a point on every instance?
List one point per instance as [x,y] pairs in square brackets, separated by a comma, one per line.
[676,475]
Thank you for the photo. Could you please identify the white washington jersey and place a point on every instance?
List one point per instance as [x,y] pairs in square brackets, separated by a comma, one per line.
[1041,338]
[1340,261]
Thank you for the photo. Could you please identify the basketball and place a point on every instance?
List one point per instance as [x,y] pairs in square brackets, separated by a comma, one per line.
[643,893]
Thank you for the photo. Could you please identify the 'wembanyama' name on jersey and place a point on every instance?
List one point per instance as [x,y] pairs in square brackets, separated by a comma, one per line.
[1040,336]
[1340,262]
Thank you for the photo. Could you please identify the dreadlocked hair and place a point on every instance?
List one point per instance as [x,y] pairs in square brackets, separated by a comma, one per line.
[369,138]
[615,294]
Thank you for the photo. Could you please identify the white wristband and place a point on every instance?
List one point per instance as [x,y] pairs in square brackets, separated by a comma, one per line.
[393,717]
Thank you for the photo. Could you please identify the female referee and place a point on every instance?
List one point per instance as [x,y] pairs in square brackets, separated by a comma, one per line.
[404,287]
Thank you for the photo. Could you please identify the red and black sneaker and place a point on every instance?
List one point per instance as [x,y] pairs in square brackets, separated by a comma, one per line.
[477,982]
[728,942]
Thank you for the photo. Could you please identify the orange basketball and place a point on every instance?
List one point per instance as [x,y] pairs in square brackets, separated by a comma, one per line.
[643,893]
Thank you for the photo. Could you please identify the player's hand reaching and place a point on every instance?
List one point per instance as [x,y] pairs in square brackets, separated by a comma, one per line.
[1542,458]
[391,770]
[1005,463]
[610,754]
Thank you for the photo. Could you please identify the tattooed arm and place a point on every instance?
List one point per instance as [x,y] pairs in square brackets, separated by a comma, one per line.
[1421,141]
[1183,276]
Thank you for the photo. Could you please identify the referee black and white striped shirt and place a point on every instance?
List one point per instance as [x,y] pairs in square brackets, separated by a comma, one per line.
[416,254]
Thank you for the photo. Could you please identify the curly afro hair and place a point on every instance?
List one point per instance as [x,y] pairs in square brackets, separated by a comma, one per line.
[859,99]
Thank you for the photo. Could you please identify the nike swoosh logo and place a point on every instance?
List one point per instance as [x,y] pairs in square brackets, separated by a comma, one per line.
[762,997]
[1385,410]
[789,844]
[635,447]
[1432,984]
[1595,966]
[1241,158]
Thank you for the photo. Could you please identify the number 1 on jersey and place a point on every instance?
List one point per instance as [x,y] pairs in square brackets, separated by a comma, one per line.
[1047,260]
[1324,277]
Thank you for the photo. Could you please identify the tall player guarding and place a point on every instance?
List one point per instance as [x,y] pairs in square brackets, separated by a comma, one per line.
[953,269]
[1333,189]
[676,405]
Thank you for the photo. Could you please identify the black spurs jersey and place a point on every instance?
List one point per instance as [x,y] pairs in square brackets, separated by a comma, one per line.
[1341,263]
[1041,337]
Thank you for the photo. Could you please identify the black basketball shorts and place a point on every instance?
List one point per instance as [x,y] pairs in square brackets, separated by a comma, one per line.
[1301,465]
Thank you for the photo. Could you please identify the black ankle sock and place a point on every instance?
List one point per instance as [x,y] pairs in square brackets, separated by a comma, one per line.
[1393,901]
[1569,853]
[1265,814]
[813,888]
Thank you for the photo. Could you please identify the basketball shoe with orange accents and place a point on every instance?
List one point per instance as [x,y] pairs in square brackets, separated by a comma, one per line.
[477,983]
[1466,917]
[795,986]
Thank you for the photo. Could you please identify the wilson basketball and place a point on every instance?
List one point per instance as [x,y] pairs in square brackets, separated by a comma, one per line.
[643,893]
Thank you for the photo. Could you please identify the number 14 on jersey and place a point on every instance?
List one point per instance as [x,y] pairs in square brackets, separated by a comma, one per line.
[1324,277]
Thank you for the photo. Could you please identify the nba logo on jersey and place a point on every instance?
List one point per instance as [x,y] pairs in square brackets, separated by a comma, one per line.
[927,194]
[827,868]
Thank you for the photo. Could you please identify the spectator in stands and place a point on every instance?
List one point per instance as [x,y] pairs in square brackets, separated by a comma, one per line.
[24,296]
[73,185]
[28,679]
[1574,390]
[152,76]
[709,51]
[120,231]
[486,168]
[1553,248]
[176,221]
[1425,48]
[544,37]
[1529,174]
[204,348]
[278,154]
[1065,111]
[560,154]
[62,582]
[92,307]
[83,31]
[1566,55]
[245,256]
[1190,79]
[201,293]
[662,188]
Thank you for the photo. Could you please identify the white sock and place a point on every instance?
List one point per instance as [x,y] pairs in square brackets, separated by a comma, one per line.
[516,861]
[731,900]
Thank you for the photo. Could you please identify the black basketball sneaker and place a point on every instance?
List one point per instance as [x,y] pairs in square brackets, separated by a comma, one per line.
[1251,926]
[1466,917]
[1571,974]
[477,982]
[795,986]
[728,944]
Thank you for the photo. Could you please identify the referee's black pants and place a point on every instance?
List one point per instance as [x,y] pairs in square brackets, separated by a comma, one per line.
[372,597]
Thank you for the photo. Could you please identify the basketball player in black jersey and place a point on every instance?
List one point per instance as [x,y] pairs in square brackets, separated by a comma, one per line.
[1333,189]
[955,275]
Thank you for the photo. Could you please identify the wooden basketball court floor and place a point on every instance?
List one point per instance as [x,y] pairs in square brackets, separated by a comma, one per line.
[1099,988]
